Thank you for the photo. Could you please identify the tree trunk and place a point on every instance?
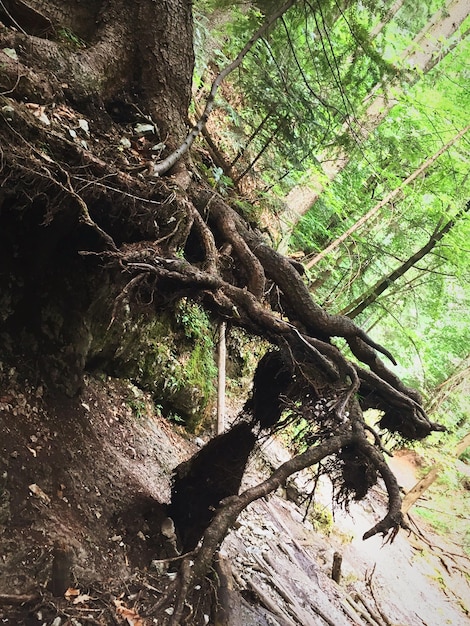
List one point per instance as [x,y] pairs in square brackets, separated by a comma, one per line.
[388,198]
[460,377]
[145,46]
[92,245]
[221,358]
[421,53]
[415,493]
[421,57]
[393,10]
[363,301]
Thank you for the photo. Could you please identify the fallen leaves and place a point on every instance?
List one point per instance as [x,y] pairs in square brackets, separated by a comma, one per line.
[39,493]
[132,617]
[39,111]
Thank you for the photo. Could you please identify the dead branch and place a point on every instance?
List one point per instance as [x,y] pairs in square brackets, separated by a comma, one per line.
[364,614]
[360,598]
[21,598]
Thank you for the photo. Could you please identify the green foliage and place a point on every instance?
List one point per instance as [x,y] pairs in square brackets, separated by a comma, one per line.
[200,369]
[138,407]
[170,354]
[243,355]
[249,210]
[449,516]
[321,518]
[292,100]
[70,38]
[423,316]
[293,85]
[216,178]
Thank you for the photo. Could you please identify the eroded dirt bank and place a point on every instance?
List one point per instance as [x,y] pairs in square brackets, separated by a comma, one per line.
[91,475]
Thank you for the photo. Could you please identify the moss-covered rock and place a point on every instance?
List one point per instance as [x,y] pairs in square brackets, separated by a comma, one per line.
[170,353]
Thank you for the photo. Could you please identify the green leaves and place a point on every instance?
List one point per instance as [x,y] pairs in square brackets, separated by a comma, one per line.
[301,100]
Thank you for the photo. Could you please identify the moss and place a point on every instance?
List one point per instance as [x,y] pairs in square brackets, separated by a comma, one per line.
[243,355]
[170,354]
[70,38]
[321,518]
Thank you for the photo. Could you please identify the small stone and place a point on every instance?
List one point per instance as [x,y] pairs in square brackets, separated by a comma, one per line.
[8,112]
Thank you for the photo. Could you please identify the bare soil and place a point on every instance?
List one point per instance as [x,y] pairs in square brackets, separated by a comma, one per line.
[91,475]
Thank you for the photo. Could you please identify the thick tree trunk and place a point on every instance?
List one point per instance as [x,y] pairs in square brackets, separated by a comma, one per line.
[165,61]
[112,49]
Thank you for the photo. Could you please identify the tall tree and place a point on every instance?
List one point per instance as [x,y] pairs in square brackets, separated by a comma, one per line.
[366,299]
[388,198]
[418,58]
[85,238]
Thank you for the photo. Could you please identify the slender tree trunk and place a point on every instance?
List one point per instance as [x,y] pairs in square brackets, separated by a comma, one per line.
[388,198]
[221,379]
[460,377]
[254,134]
[256,159]
[393,10]
[415,493]
[357,307]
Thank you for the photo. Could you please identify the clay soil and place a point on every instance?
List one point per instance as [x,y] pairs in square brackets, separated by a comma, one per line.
[91,474]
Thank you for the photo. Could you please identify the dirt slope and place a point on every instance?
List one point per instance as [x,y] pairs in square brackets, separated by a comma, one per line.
[90,476]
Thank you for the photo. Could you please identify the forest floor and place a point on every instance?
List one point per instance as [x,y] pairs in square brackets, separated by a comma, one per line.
[90,477]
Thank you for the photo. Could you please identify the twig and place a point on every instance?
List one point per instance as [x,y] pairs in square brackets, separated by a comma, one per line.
[22,598]
[377,618]
[371,587]
[362,613]
[377,439]
[10,17]
[174,558]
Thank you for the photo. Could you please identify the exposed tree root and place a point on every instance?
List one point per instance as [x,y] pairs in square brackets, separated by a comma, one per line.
[167,238]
